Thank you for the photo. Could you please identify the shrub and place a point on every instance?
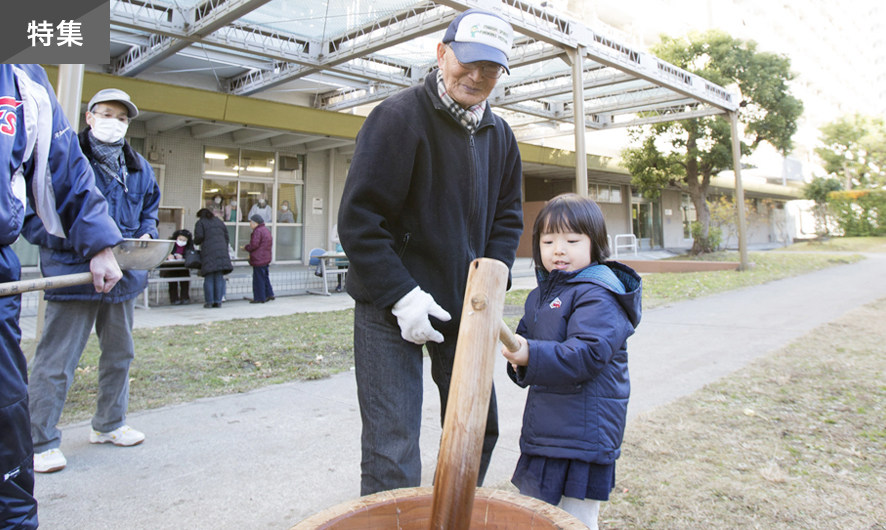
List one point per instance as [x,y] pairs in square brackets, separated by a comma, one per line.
[710,243]
[859,213]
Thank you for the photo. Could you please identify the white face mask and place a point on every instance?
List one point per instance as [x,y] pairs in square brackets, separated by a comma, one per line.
[233,203]
[284,207]
[108,130]
[181,242]
[218,200]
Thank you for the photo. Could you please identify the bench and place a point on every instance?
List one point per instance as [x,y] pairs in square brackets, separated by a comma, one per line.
[155,279]
[196,280]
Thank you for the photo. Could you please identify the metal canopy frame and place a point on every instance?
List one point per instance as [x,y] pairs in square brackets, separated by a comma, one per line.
[621,86]
[370,49]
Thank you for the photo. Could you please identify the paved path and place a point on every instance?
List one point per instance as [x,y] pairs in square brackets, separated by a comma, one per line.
[269,458]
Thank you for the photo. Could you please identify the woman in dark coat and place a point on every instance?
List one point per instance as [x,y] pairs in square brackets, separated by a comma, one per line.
[211,234]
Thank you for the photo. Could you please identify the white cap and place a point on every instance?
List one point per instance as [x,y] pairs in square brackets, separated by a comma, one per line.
[113,94]
[480,36]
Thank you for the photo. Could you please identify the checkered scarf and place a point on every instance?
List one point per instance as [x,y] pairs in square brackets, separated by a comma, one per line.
[109,158]
[108,155]
[469,117]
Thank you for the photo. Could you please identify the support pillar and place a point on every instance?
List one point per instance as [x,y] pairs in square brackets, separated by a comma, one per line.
[578,117]
[739,192]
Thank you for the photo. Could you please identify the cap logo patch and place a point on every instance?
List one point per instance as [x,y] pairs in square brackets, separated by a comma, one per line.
[485,29]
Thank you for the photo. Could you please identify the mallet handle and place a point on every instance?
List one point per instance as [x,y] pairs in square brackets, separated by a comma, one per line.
[506,336]
[42,284]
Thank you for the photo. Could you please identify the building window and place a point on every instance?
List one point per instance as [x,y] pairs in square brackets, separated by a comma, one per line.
[689,216]
[605,193]
[238,184]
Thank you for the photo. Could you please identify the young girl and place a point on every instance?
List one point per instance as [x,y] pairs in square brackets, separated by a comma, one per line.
[573,357]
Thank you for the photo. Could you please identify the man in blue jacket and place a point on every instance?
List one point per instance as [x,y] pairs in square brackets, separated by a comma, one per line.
[435,182]
[127,181]
[41,166]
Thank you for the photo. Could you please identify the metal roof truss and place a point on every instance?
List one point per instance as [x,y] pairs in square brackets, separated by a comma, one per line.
[621,86]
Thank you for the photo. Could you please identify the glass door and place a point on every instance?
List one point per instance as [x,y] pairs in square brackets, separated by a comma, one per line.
[646,218]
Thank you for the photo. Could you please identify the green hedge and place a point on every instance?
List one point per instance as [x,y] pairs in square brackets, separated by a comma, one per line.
[859,213]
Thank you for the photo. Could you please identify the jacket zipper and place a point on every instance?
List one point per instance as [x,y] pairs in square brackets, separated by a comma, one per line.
[473,211]
[542,298]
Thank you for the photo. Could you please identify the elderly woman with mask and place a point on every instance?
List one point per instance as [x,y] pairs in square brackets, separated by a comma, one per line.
[285,215]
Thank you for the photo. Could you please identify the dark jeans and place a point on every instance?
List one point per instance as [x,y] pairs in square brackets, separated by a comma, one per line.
[261,284]
[214,287]
[389,389]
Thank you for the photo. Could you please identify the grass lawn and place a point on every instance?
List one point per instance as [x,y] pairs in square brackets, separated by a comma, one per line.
[664,288]
[842,244]
[181,363]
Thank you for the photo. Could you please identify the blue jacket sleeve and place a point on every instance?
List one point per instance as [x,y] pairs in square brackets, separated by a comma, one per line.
[81,208]
[150,206]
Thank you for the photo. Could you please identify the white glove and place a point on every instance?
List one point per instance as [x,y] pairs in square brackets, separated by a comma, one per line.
[412,315]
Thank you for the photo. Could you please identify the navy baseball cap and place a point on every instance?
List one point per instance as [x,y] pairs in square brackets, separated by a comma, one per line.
[477,35]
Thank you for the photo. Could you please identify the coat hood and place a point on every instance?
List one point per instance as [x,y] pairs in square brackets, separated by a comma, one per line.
[616,277]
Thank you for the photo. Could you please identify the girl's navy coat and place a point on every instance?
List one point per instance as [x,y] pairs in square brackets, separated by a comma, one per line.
[577,324]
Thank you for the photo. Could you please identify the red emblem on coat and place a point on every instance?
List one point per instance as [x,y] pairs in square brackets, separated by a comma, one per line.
[556,303]
[7,117]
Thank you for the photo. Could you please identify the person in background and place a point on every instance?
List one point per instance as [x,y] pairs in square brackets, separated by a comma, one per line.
[43,169]
[259,248]
[573,357]
[211,234]
[231,211]
[435,182]
[127,181]
[217,206]
[261,208]
[285,215]
[179,291]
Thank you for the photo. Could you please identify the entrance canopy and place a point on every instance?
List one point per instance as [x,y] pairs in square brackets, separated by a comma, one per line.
[350,53]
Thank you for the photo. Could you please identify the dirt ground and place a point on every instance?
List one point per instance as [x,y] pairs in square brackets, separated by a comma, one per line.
[795,440]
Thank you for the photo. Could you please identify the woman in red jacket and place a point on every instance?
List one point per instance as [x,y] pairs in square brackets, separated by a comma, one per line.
[259,249]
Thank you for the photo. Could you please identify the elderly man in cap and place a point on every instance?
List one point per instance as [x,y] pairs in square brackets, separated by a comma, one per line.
[127,181]
[434,183]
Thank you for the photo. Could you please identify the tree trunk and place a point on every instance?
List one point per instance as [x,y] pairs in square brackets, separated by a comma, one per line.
[698,191]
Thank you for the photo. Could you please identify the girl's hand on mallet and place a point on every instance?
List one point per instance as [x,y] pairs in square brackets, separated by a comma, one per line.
[519,357]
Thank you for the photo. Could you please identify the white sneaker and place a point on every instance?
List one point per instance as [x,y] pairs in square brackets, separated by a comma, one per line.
[49,461]
[124,436]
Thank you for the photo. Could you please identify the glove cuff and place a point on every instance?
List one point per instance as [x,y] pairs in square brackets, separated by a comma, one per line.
[407,299]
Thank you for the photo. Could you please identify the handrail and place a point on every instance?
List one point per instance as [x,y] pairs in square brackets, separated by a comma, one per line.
[632,243]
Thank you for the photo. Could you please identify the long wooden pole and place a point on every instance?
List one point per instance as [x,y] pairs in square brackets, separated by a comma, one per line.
[458,464]
[42,284]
